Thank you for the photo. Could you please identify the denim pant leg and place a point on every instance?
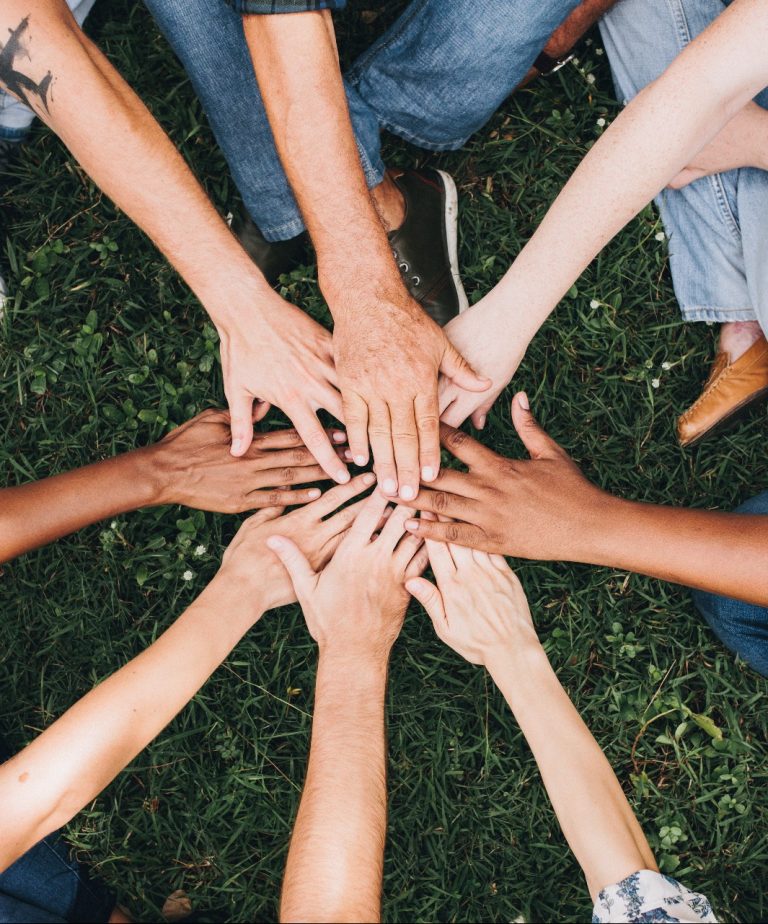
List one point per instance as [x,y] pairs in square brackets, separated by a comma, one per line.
[742,627]
[208,38]
[715,257]
[16,117]
[442,69]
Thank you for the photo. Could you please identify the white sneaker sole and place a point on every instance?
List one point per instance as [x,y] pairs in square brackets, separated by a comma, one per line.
[452,236]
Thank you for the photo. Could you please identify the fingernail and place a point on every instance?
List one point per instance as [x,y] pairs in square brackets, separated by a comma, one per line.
[275,542]
[412,525]
[338,436]
[314,493]
[522,399]
[237,445]
[390,486]
[407,493]
[427,473]
[369,478]
[360,460]
[342,476]
[482,422]
[347,455]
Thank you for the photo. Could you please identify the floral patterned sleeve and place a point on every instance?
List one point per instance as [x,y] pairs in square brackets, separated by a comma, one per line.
[647,896]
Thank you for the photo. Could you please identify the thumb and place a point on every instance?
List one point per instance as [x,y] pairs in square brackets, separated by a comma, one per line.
[429,597]
[539,444]
[460,372]
[294,561]
[241,422]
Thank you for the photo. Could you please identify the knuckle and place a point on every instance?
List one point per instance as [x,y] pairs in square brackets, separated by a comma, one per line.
[299,456]
[453,533]
[440,500]
[287,475]
[429,424]
[457,438]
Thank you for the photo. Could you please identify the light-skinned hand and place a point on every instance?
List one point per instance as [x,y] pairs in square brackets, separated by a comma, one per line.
[478,607]
[249,562]
[355,606]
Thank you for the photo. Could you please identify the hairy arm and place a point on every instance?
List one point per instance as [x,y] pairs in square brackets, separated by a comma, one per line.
[335,861]
[68,765]
[269,349]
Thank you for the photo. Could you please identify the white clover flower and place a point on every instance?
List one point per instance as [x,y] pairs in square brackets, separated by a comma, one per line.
[594,304]
[655,383]
[666,366]
[200,551]
[113,524]
[601,122]
[649,364]
[575,61]
[660,236]
[600,51]
[188,575]
[590,78]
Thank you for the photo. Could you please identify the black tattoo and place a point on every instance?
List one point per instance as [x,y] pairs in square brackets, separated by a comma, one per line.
[16,82]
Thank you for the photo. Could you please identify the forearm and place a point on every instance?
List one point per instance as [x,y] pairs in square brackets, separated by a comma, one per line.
[34,514]
[121,146]
[648,144]
[296,64]
[590,805]
[723,553]
[334,866]
[68,765]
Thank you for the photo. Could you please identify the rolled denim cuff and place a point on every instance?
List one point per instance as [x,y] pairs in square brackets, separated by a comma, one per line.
[717,315]
[285,6]
[13,134]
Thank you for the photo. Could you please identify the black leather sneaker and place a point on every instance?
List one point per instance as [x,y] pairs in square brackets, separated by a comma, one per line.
[426,246]
[273,258]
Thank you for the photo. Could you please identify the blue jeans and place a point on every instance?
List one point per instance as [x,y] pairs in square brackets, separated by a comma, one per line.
[15,117]
[717,227]
[435,77]
[742,627]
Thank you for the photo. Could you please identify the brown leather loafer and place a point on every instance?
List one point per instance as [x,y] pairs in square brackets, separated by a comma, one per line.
[730,389]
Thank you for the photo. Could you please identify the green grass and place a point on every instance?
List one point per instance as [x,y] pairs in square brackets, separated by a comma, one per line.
[105,349]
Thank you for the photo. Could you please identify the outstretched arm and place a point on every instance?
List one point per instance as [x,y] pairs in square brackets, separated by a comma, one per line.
[270,350]
[479,609]
[388,351]
[649,143]
[191,466]
[354,610]
[545,508]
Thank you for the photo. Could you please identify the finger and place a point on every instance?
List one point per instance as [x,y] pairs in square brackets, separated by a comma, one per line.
[539,444]
[284,496]
[368,519]
[429,597]
[265,515]
[462,555]
[405,442]
[479,417]
[294,561]
[460,372]
[501,563]
[456,533]
[355,417]
[380,434]
[418,563]
[316,440]
[441,560]
[241,422]
[286,475]
[330,400]
[341,522]
[445,503]
[260,411]
[428,427]
[342,493]
[290,439]
[405,551]
[393,531]
[466,450]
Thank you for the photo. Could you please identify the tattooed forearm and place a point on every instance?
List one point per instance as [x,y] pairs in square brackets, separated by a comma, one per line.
[15,81]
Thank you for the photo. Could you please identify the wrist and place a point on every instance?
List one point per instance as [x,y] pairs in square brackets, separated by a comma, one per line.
[514,664]
[361,664]
[146,473]
[238,596]
[238,298]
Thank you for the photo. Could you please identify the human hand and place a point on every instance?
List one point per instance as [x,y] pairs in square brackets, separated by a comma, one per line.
[493,356]
[249,562]
[479,607]
[388,357]
[193,466]
[356,605]
[542,508]
[281,356]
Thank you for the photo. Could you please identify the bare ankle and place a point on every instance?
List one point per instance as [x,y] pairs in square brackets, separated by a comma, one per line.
[736,337]
[389,203]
